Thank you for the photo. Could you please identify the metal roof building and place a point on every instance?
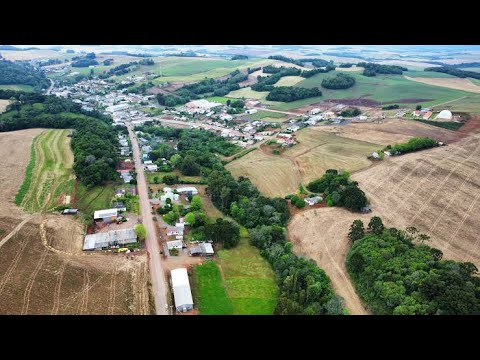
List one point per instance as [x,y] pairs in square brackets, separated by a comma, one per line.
[110,238]
[181,290]
[102,214]
[203,249]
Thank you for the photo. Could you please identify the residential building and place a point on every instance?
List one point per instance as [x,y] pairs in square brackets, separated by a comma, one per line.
[107,239]
[107,215]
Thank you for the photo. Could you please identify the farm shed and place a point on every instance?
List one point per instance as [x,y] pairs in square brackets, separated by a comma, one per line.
[181,290]
[108,215]
[175,244]
[188,190]
[202,249]
[110,238]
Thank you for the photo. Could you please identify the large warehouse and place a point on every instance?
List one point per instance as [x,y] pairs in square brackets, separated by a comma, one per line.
[181,290]
[110,238]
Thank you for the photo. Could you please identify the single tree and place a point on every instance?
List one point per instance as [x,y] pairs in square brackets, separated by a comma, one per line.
[357,230]
[375,226]
[140,231]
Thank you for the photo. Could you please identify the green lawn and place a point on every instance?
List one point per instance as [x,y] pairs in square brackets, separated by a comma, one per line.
[160,175]
[219,99]
[262,114]
[212,297]
[175,69]
[427,74]
[249,279]
[96,198]
[470,103]
[381,88]
[17,87]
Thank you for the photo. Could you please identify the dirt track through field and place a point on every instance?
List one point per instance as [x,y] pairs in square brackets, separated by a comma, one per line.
[451,83]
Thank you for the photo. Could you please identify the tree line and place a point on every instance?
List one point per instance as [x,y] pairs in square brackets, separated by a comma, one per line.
[372,69]
[339,190]
[412,145]
[339,81]
[94,141]
[396,273]
[454,71]
[301,62]
[22,73]
[292,93]
[239,57]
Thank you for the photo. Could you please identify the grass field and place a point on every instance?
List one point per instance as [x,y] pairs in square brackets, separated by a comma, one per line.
[289,81]
[249,280]
[380,88]
[193,179]
[212,297]
[52,176]
[89,200]
[248,93]
[219,99]
[317,151]
[268,116]
[17,87]
[469,103]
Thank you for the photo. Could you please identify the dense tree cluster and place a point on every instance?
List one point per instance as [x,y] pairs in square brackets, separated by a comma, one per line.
[390,107]
[372,69]
[84,62]
[339,81]
[252,70]
[291,93]
[413,144]
[345,65]
[22,73]
[239,57]
[94,140]
[339,190]
[310,73]
[301,62]
[108,62]
[454,71]
[49,62]
[395,273]
[350,112]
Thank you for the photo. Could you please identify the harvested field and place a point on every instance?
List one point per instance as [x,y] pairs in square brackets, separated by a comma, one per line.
[317,151]
[15,150]
[38,278]
[390,131]
[452,83]
[31,54]
[437,191]
[321,235]
[350,69]
[3,105]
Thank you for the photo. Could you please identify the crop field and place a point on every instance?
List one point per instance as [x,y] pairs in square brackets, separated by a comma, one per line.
[317,151]
[42,274]
[15,151]
[390,131]
[451,83]
[437,191]
[32,54]
[3,105]
[212,297]
[469,103]
[17,87]
[377,90]
[248,93]
[51,178]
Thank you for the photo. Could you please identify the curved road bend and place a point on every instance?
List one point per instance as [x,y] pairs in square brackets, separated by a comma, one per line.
[159,285]
[51,87]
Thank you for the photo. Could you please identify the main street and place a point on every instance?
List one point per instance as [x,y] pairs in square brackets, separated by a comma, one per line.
[157,274]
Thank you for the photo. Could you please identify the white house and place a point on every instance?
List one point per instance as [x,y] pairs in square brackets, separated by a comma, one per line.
[188,190]
[181,290]
[151,168]
[251,111]
[315,111]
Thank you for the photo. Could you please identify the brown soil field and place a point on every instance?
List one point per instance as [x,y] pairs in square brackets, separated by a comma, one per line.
[436,190]
[42,267]
[391,131]
[351,69]
[317,151]
[15,148]
[31,54]
[38,278]
[321,235]
[452,83]
[3,105]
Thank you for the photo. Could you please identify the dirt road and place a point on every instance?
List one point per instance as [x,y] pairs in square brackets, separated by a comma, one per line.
[277,111]
[159,284]
[51,87]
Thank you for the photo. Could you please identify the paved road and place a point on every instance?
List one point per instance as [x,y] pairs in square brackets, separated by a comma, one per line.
[159,284]
[51,87]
